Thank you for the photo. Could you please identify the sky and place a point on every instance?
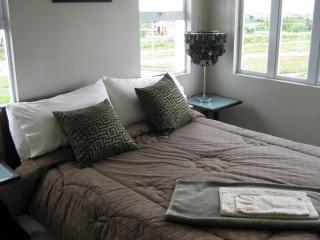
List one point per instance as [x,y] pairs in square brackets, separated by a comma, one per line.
[251,6]
[289,6]
[160,6]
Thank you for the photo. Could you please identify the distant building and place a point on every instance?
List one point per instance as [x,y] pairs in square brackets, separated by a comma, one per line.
[2,38]
[159,28]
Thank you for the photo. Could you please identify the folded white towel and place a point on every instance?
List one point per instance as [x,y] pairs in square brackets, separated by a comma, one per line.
[272,206]
[229,196]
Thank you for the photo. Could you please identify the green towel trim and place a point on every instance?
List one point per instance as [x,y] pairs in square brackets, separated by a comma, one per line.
[197,203]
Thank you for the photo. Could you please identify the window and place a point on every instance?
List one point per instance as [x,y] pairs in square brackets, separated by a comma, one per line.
[256,29]
[162,28]
[279,39]
[6,93]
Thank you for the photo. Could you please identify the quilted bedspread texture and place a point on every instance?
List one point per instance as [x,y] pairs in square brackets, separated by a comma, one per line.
[126,197]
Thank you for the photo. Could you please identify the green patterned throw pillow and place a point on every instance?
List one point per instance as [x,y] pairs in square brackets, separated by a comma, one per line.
[165,106]
[95,133]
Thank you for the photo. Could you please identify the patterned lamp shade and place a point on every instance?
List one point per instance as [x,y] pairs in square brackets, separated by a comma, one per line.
[204,48]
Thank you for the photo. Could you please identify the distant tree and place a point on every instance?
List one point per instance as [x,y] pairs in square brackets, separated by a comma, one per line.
[296,24]
[249,29]
[142,34]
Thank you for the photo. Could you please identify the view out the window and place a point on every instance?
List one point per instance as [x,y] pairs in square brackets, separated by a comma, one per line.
[277,39]
[162,30]
[4,72]
[256,35]
[297,17]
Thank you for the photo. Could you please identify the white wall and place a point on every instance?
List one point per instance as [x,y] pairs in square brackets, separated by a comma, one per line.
[62,46]
[282,109]
[199,21]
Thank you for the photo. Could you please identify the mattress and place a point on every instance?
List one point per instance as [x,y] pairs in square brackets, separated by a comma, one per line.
[126,197]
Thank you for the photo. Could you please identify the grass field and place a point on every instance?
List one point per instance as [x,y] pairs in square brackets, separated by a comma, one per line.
[2,54]
[161,57]
[4,82]
[293,54]
[4,90]
[293,57]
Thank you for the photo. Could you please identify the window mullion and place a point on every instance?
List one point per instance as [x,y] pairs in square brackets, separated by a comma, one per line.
[9,49]
[314,60]
[274,38]
[185,30]
[2,20]
[239,35]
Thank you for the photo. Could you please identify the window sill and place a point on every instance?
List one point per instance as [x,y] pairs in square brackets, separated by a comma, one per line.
[276,80]
[184,74]
[152,74]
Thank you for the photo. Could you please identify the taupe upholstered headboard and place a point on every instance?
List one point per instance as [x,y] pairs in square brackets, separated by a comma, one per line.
[8,150]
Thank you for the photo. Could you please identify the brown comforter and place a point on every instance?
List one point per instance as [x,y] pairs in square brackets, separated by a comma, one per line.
[126,197]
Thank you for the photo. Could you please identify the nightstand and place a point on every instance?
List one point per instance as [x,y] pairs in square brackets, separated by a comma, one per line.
[212,109]
[7,174]
[24,226]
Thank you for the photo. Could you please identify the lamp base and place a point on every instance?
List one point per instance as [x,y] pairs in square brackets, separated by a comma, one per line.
[205,99]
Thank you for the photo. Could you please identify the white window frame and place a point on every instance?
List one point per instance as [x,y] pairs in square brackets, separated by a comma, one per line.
[313,77]
[5,25]
[172,16]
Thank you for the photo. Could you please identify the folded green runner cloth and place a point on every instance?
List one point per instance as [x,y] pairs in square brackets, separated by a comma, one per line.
[197,203]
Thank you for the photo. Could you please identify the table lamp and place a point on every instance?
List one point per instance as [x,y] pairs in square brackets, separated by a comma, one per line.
[204,48]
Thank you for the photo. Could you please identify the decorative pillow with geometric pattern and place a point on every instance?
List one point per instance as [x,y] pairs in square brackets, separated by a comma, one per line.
[165,106]
[95,133]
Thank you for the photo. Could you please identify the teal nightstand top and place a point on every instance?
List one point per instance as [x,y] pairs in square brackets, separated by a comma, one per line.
[7,174]
[216,104]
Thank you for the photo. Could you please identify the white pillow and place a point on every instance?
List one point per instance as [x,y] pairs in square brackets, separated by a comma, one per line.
[124,99]
[34,128]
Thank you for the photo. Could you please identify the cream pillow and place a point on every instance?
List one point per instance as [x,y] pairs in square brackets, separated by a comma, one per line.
[34,128]
[124,99]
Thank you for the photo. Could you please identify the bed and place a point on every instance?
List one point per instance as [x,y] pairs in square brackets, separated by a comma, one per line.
[126,197]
